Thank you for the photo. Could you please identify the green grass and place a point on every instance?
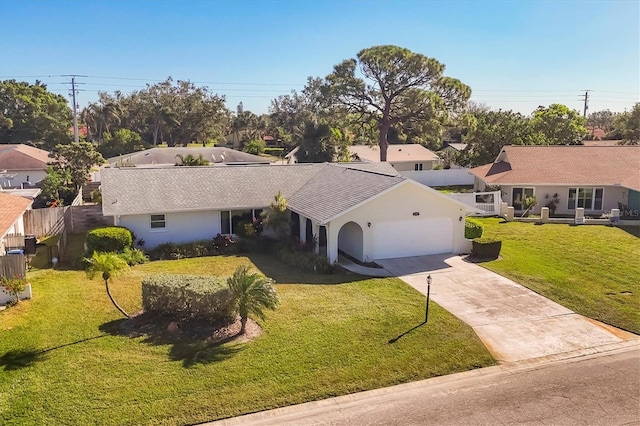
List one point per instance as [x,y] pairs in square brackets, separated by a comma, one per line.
[60,364]
[592,270]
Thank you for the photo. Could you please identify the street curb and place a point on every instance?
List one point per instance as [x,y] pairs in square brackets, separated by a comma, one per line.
[397,392]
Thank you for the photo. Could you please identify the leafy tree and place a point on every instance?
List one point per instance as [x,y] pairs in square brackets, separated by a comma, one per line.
[251,293]
[173,112]
[275,216]
[255,146]
[76,160]
[108,265]
[289,114]
[398,87]
[190,160]
[559,125]
[123,141]
[30,114]
[601,120]
[489,131]
[627,125]
[54,186]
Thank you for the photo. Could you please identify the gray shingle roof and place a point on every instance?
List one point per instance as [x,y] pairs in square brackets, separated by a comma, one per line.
[147,190]
[336,189]
[318,191]
[168,156]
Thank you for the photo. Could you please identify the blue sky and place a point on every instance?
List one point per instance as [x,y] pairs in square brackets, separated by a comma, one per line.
[513,54]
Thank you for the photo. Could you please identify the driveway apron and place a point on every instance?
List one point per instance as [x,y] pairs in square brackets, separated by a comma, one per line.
[514,322]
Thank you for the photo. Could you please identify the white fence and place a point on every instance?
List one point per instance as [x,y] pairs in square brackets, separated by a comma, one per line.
[448,177]
[488,202]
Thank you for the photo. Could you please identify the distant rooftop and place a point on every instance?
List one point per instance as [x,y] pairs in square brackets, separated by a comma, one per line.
[167,156]
[395,153]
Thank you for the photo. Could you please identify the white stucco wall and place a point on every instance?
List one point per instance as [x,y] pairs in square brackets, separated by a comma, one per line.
[611,196]
[404,166]
[396,208]
[180,227]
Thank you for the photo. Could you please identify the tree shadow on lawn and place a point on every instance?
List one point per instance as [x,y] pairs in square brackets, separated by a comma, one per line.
[272,267]
[192,343]
[21,358]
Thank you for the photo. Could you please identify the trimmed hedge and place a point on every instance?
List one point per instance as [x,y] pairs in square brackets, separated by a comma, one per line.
[472,228]
[109,239]
[486,248]
[188,297]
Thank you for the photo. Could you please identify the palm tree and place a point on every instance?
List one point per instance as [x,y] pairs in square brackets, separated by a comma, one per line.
[251,294]
[190,160]
[108,265]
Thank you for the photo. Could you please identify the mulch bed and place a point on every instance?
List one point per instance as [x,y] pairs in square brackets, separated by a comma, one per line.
[145,324]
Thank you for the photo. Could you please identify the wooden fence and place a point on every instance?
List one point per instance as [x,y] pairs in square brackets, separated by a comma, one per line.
[12,265]
[45,222]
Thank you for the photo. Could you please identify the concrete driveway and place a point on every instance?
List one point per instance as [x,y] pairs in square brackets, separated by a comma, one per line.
[514,322]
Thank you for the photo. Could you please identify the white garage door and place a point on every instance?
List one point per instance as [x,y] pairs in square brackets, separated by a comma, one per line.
[412,238]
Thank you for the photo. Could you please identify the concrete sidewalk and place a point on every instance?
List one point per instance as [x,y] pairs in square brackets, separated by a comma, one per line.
[514,322]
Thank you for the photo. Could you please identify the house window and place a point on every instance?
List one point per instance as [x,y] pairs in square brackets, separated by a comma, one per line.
[587,198]
[158,221]
[518,197]
[417,166]
[230,219]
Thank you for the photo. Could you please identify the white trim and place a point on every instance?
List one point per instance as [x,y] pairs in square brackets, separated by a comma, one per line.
[593,198]
[523,190]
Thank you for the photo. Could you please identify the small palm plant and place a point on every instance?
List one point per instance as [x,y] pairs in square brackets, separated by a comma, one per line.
[251,293]
[108,265]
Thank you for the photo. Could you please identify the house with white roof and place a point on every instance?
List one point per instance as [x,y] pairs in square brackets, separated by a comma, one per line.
[366,211]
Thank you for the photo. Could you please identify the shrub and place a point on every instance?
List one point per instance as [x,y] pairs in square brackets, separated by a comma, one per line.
[109,239]
[472,228]
[188,297]
[486,248]
[220,244]
[14,286]
[306,261]
[255,146]
[133,256]
[172,251]
[223,244]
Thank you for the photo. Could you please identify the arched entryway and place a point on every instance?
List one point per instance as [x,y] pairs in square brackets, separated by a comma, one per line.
[351,240]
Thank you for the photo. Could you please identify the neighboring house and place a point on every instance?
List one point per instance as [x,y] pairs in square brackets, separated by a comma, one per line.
[361,210]
[449,151]
[403,158]
[454,147]
[21,163]
[12,209]
[158,157]
[596,178]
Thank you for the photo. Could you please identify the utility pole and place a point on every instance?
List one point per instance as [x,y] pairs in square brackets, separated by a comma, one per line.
[586,102]
[76,136]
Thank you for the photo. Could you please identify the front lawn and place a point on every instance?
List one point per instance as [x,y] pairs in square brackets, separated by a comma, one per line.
[592,270]
[62,360]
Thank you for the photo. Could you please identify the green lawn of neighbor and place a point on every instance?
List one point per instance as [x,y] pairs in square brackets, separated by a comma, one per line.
[63,361]
[592,270]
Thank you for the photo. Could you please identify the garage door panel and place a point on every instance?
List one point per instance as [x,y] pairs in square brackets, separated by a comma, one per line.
[412,238]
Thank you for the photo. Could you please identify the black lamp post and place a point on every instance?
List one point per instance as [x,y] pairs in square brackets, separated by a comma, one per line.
[426,314]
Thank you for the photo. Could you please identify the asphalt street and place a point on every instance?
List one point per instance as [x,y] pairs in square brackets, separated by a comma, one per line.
[599,389]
